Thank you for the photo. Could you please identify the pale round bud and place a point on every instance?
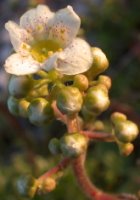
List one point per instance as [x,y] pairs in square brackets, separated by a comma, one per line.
[126,148]
[116,117]
[69,100]
[98,125]
[40,111]
[23,107]
[96,100]
[54,146]
[19,86]
[13,105]
[81,82]
[105,80]
[27,186]
[100,62]
[46,185]
[73,144]
[126,131]
[54,75]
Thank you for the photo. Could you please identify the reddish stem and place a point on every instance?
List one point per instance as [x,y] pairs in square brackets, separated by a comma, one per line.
[58,114]
[72,124]
[86,185]
[99,136]
[62,165]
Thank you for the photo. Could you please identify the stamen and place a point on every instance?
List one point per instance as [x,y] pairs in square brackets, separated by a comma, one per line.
[42,49]
[50,53]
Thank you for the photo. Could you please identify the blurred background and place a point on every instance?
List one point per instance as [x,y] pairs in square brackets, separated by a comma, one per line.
[114,26]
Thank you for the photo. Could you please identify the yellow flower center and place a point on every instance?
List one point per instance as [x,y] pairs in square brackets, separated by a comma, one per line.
[42,49]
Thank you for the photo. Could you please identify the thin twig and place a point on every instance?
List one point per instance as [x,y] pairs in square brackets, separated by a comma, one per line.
[101,136]
[62,165]
[58,114]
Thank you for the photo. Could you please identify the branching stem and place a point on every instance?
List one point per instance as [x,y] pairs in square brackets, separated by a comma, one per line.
[106,137]
[62,165]
[85,184]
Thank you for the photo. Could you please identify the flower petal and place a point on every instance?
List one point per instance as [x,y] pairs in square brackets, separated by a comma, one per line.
[50,63]
[19,65]
[18,36]
[76,58]
[64,26]
[35,20]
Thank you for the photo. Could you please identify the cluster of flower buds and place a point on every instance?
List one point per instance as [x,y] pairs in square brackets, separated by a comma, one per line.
[28,186]
[125,132]
[28,99]
[70,145]
[32,95]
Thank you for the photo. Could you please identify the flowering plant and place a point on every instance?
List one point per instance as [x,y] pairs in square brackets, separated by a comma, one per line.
[64,84]
[47,40]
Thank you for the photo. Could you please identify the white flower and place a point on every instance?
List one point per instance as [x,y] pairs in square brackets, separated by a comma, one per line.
[47,40]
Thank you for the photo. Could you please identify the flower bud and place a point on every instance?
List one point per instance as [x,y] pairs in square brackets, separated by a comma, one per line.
[98,125]
[54,146]
[54,75]
[23,107]
[54,89]
[100,62]
[105,80]
[27,186]
[96,100]
[19,86]
[13,105]
[126,131]
[69,100]
[40,111]
[46,185]
[73,145]
[81,82]
[116,117]
[40,89]
[126,148]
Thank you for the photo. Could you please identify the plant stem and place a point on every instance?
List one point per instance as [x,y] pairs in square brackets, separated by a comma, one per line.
[58,114]
[85,184]
[107,137]
[62,165]
[91,191]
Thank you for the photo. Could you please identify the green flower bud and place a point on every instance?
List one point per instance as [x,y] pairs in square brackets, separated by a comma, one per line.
[116,117]
[54,75]
[126,131]
[100,62]
[40,89]
[46,185]
[73,145]
[23,107]
[81,82]
[88,115]
[98,125]
[54,89]
[96,100]
[105,80]
[27,186]
[126,148]
[40,111]
[19,86]
[54,146]
[13,105]
[69,100]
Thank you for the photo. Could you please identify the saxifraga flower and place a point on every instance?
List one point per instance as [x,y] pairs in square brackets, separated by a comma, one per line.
[44,40]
